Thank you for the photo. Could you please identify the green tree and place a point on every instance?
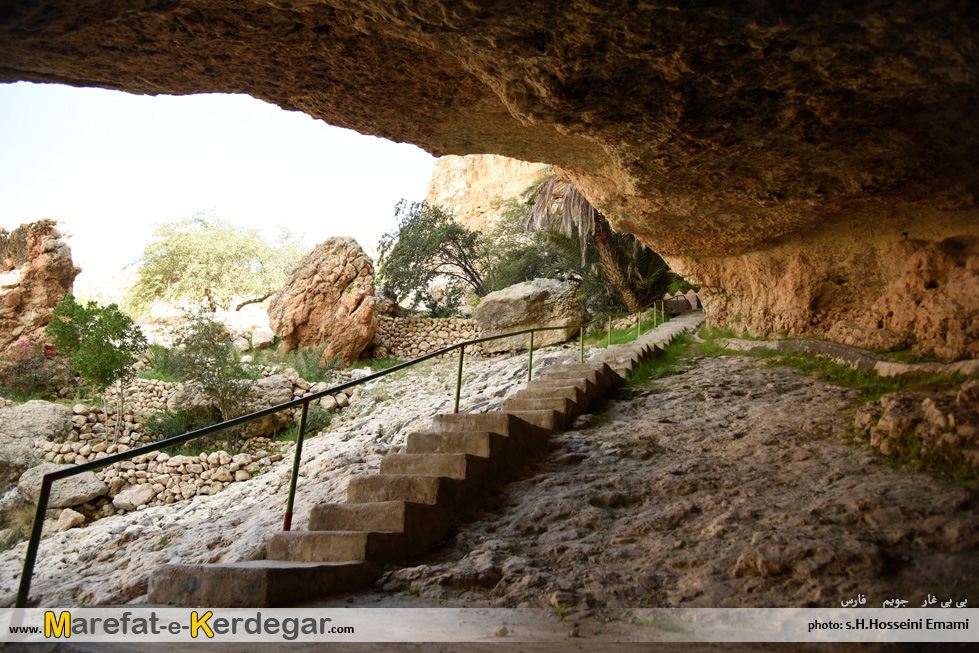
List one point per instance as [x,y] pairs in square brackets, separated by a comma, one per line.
[429,245]
[560,207]
[517,255]
[204,352]
[104,344]
[205,261]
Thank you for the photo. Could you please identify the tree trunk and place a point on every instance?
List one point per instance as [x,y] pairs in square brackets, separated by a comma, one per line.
[122,406]
[608,260]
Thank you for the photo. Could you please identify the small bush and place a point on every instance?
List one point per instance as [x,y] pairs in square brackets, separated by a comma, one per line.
[165,365]
[317,419]
[31,370]
[305,360]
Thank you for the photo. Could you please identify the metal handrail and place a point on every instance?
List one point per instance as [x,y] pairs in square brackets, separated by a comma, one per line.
[48,479]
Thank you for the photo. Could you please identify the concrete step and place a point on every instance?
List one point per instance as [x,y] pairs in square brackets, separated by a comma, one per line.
[561,404]
[592,376]
[381,516]
[374,488]
[591,390]
[254,584]
[571,393]
[336,546]
[477,443]
[497,422]
[461,466]
[548,420]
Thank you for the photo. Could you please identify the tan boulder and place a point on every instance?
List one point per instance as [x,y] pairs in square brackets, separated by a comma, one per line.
[36,272]
[537,303]
[329,298]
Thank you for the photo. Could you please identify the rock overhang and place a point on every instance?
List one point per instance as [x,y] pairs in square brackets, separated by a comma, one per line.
[716,132]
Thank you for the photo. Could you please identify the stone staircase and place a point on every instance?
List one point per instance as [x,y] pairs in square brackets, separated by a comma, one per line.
[418,496]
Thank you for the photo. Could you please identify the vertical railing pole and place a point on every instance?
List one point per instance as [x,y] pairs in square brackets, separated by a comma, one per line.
[287,522]
[639,328]
[609,330]
[462,353]
[33,543]
[581,343]
[530,359]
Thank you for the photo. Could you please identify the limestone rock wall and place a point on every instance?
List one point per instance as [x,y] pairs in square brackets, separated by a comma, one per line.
[473,186]
[856,285]
[36,272]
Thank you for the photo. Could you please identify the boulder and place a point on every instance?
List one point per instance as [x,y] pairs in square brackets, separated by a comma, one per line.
[538,303]
[329,298]
[270,391]
[69,519]
[134,496]
[66,492]
[262,338]
[20,426]
[36,272]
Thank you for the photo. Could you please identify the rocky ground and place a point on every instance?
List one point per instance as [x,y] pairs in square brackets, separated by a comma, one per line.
[109,561]
[728,485]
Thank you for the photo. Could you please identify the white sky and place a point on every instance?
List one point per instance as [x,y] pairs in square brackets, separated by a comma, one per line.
[112,166]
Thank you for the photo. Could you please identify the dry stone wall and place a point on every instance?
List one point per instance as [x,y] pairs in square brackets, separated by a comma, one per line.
[408,337]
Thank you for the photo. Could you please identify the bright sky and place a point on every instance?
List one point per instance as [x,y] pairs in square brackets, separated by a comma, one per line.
[112,166]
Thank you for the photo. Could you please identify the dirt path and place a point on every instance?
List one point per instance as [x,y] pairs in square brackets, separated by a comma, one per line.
[728,485]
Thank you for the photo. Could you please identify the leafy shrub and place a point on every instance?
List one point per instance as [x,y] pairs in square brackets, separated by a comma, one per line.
[205,354]
[165,365]
[30,369]
[165,424]
[317,419]
[305,360]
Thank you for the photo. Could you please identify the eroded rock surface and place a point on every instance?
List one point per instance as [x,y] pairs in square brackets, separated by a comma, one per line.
[329,298]
[36,272]
[528,305]
[474,188]
[20,426]
[789,157]
[725,486]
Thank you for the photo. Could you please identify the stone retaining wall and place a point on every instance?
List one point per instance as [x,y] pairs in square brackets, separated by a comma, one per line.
[408,337]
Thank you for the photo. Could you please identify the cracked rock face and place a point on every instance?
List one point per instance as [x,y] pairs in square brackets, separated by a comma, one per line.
[822,143]
[36,272]
[329,298]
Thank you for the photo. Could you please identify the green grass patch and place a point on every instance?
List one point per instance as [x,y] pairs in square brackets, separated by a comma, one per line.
[662,366]
[305,360]
[870,385]
[904,355]
[377,365]
[599,338]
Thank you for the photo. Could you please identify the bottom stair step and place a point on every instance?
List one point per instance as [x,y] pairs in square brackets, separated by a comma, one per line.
[254,584]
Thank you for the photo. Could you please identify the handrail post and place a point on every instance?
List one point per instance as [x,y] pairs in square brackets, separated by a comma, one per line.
[287,522]
[639,328]
[33,543]
[609,330]
[581,332]
[462,353]
[530,359]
